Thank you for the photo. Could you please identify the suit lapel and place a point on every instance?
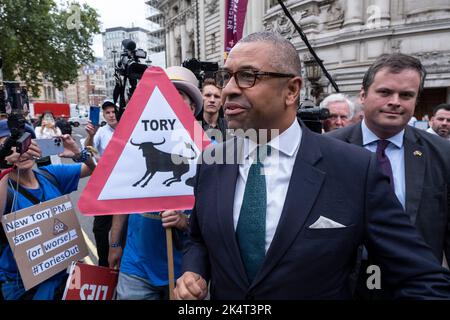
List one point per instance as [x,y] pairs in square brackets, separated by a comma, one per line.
[304,187]
[227,175]
[414,172]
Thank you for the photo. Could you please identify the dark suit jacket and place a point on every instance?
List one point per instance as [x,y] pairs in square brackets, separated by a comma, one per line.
[427,179]
[331,179]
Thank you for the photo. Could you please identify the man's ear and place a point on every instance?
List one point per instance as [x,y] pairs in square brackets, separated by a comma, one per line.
[362,95]
[294,86]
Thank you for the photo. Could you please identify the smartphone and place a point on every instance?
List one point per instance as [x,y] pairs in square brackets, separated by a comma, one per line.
[51,146]
[94,115]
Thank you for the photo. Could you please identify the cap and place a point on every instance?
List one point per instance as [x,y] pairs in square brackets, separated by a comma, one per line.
[185,80]
[108,103]
[4,130]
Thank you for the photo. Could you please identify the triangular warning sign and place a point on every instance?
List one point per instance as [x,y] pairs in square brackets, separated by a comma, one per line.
[151,159]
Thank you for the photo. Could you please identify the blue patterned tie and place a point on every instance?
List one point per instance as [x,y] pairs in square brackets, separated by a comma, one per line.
[251,227]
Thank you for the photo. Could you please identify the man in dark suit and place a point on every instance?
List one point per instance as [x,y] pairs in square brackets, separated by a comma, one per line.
[291,231]
[419,161]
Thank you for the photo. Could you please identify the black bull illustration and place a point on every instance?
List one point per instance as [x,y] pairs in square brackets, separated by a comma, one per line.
[160,161]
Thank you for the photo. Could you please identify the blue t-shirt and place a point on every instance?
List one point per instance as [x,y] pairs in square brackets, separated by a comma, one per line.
[145,253]
[67,177]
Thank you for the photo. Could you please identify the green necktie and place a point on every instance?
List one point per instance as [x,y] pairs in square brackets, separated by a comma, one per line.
[251,227]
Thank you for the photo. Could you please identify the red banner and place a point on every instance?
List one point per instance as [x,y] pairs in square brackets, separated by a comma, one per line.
[87,282]
[235,11]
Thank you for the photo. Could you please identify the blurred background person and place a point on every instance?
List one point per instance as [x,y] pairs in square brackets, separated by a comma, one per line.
[440,121]
[341,111]
[358,113]
[64,125]
[47,129]
[99,139]
[212,120]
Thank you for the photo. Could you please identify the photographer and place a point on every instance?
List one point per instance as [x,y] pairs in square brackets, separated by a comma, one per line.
[127,73]
[33,187]
[47,129]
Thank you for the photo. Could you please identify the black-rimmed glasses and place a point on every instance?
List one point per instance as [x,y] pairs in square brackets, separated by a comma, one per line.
[245,78]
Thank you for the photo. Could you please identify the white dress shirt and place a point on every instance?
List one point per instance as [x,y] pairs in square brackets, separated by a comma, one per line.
[395,151]
[102,138]
[278,168]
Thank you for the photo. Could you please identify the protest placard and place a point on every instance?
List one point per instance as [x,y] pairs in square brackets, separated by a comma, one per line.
[44,239]
[88,282]
[151,160]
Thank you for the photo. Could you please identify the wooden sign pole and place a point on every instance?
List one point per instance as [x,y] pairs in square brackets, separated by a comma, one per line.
[170,262]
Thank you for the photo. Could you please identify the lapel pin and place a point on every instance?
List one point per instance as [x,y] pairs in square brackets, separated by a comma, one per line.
[418,153]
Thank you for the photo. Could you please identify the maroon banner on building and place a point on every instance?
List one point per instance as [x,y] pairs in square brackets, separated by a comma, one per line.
[235,11]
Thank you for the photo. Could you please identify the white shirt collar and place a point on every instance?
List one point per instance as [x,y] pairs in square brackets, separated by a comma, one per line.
[369,137]
[287,142]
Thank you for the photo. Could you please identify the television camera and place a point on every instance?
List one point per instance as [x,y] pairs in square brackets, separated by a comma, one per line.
[312,115]
[13,100]
[127,73]
[201,69]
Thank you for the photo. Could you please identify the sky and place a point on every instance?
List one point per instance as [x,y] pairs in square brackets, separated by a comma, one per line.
[117,13]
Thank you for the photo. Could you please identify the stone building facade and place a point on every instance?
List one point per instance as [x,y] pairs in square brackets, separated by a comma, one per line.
[347,35]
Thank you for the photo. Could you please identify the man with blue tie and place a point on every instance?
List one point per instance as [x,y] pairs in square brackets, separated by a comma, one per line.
[285,219]
[416,162]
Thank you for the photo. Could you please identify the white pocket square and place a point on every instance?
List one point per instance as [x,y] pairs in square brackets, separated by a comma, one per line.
[325,223]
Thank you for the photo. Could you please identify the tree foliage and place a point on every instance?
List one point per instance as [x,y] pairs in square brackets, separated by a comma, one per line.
[40,39]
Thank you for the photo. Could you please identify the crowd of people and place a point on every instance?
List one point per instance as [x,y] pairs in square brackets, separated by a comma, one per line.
[370,191]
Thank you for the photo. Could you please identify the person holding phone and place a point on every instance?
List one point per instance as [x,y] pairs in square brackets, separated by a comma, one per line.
[24,187]
[99,139]
[47,129]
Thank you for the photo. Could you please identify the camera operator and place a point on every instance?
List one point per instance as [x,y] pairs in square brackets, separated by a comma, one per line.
[127,73]
[24,187]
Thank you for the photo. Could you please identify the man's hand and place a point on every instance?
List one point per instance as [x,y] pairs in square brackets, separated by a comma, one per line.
[71,148]
[174,219]
[33,152]
[114,257]
[91,129]
[190,286]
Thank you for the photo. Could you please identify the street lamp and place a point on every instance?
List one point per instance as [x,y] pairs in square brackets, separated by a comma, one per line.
[313,74]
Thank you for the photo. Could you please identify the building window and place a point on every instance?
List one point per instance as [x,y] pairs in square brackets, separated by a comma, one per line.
[192,47]
[213,43]
[272,3]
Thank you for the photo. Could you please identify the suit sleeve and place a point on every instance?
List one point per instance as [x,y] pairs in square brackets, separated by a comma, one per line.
[406,262]
[195,258]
